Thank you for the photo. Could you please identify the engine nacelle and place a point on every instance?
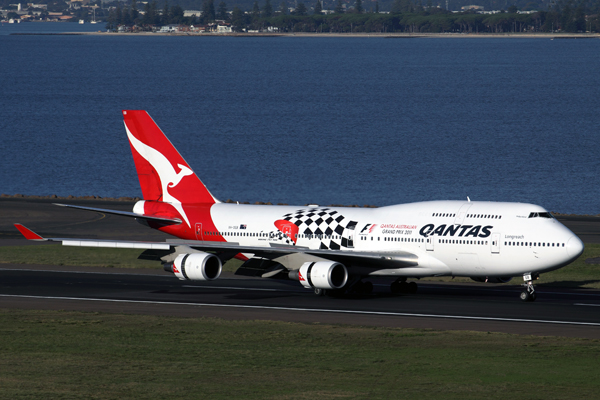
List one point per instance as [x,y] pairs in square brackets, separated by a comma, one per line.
[197,267]
[491,280]
[323,275]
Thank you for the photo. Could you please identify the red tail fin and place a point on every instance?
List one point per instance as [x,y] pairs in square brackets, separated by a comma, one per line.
[163,173]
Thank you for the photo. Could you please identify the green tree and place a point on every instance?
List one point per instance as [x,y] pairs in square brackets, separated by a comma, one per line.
[133,12]
[208,11]
[165,18]
[126,17]
[377,7]
[267,10]
[111,21]
[318,8]
[512,9]
[283,9]
[401,6]
[176,14]
[238,19]
[339,9]
[358,8]
[147,18]
[150,17]
[222,12]
[300,10]
[579,19]
[255,11]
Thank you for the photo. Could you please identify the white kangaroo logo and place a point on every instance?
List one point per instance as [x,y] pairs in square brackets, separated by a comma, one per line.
[169,178]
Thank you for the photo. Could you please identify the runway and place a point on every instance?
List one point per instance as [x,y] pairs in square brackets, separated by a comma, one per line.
[480,307]
[497,308]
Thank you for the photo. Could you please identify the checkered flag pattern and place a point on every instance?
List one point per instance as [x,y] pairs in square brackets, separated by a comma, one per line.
[326,224]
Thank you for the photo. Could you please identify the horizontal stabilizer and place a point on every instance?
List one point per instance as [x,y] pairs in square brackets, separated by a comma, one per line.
[120,244]
[163,220]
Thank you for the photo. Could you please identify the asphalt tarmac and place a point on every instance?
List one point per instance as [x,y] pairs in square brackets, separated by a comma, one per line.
[557,311]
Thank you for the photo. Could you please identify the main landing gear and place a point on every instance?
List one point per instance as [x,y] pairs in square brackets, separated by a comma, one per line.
[359,287]
[401,286]
[529,293]
[356,286]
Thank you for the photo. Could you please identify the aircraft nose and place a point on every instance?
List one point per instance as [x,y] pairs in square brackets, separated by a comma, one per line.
[574,247]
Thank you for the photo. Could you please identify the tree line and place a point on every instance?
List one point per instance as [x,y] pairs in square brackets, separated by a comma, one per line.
[405,16]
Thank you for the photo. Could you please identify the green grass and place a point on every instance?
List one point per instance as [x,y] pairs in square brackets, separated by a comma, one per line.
[72,355]
[53,254]
[577,274]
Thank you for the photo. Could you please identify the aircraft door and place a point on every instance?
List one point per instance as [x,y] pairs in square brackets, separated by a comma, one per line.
[429,243]
[495,243]
[199,231]
[460,215]
[348,236]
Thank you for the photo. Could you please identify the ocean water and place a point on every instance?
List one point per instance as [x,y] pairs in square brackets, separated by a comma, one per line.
[309,120]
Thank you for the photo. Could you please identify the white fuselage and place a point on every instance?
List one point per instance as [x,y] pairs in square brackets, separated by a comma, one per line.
[450,238]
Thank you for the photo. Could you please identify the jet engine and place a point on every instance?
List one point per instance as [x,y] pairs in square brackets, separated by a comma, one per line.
[322,275]
[196,267]
[492,279]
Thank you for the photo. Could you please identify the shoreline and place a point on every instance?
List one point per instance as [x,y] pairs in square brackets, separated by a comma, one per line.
[550,36]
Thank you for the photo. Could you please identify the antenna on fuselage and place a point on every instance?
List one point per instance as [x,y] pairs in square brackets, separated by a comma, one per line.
[468,199]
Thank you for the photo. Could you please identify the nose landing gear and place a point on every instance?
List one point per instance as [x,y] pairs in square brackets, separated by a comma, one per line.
[529,293]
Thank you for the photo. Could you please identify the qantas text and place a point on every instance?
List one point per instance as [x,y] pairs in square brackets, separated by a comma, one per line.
[456,230]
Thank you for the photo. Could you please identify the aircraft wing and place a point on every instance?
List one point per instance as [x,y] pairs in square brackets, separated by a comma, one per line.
[375,259]
[379,259]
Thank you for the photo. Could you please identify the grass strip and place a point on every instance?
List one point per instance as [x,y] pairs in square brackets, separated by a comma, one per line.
[54,254]
[57,354]
[578,274]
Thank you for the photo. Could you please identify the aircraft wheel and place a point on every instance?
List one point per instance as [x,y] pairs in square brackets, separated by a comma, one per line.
[532,296]
[525,295]
[320,292]
[412,287]
[403,287]
[395,287]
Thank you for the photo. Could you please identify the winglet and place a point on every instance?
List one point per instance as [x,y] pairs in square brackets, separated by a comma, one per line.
[28,233]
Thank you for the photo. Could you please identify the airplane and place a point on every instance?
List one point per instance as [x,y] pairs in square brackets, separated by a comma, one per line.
[331,250]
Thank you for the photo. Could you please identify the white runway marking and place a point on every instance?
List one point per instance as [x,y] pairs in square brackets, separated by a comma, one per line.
[234,288]
[382,313]
[85,272]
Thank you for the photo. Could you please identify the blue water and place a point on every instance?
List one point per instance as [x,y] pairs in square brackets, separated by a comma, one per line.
[49,27]
[309,120]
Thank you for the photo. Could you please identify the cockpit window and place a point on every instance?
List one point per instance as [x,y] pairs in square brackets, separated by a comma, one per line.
[540,215]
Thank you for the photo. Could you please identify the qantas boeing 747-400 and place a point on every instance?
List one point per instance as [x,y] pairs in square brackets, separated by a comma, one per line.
[332,249]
